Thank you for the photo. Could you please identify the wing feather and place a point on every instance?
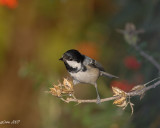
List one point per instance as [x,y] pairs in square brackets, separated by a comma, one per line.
[93,63]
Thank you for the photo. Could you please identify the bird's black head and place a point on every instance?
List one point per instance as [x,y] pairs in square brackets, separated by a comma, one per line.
[72,55]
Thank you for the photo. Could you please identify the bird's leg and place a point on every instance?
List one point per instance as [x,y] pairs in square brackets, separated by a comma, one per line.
[75,82]
[98,97]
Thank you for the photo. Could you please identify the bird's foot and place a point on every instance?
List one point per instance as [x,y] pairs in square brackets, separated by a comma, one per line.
[98,100]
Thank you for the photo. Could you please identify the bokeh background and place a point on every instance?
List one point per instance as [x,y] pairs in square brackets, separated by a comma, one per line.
[35,33]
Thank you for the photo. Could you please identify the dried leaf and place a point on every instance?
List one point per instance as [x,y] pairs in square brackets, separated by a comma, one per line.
[123,105]
[53,91]
[67,85]
[57,87]
[65,88]
[56,91]
[131,105]
[120,101]
[138,87]
[117,91]
[59,84]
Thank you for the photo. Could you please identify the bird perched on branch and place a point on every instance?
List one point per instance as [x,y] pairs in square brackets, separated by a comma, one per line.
[83,69]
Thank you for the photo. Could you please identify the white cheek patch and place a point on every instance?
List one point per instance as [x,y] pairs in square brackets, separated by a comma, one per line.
[74,64]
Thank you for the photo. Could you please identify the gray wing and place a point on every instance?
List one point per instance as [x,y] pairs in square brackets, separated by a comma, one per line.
[93,63]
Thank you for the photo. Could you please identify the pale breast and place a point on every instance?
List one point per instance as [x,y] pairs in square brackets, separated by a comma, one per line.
[90,76]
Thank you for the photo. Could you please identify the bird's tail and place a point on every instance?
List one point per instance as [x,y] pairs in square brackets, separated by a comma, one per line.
[107,74]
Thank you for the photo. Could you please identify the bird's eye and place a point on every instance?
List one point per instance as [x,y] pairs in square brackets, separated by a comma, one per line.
[70,59]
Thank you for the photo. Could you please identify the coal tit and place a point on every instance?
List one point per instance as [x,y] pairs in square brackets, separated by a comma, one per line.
[83,69]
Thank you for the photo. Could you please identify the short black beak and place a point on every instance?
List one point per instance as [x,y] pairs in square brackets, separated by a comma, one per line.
[61,59]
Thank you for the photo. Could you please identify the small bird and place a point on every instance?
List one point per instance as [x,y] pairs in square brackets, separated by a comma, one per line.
[83,69]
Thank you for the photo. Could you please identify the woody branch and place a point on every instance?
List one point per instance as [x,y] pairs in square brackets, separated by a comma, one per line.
[138,92]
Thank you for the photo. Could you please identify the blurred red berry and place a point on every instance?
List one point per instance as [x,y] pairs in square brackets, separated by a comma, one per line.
[89,49]
[132,63]
[9,3]
[124,85]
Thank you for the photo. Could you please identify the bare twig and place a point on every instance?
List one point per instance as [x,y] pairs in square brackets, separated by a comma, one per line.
[143,90]
[147,57]
[90,101]
[121,98]
[129,94]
